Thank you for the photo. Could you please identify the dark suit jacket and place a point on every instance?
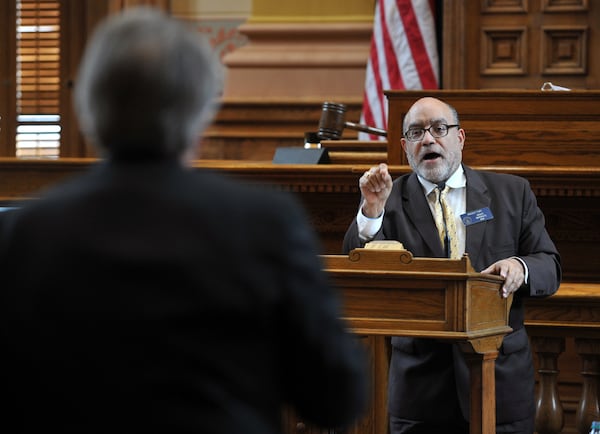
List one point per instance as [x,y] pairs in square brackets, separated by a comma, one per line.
[144,297]
[517,229]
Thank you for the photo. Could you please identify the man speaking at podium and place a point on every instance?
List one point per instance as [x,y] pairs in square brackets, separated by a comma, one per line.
[445,209]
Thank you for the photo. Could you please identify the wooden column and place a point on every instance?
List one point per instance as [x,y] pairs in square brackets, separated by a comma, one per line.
[589,408]
[301,50]
[549,416]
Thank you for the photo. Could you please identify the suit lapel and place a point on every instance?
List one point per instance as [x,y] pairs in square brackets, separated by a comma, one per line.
[418,211]
[477,198]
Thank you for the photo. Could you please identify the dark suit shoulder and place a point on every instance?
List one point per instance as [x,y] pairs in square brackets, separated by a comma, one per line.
[494,179]
[246,198]
[497,184]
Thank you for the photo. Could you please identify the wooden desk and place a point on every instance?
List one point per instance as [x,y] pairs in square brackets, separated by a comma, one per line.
[390,293]
[526,128]
[568,196]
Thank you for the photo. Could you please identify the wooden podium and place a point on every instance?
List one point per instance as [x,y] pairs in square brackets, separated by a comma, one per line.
[388,292]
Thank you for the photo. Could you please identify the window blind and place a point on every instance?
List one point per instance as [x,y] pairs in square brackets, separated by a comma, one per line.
[38,78]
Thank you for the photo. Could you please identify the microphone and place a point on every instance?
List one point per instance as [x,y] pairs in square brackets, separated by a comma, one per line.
[332,123]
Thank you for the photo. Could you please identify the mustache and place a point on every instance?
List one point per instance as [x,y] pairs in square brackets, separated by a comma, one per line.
[430,154]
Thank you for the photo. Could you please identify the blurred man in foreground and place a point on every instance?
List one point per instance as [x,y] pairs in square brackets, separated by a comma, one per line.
[145,296]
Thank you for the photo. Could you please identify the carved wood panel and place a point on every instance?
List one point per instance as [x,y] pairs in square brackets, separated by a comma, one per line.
[520,44]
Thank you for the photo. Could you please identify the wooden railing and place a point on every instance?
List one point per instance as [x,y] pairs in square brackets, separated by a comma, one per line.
[571,316]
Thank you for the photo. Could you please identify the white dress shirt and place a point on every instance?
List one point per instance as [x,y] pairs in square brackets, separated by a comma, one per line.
[457,199]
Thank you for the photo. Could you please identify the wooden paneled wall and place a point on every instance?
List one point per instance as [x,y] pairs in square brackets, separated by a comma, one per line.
[520,44]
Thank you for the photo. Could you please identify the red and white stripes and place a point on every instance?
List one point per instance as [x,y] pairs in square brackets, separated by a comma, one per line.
[403,56]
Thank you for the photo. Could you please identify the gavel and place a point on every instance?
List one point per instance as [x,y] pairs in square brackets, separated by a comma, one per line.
[332,123]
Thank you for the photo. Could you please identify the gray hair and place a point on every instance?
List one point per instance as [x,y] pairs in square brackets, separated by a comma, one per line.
[146,86]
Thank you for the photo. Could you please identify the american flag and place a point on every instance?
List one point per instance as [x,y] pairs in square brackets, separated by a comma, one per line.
[403,56]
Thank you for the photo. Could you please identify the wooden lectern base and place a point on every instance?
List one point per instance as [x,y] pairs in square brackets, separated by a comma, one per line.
[389,292]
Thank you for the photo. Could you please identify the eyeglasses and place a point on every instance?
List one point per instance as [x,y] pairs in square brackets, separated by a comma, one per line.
[436,130]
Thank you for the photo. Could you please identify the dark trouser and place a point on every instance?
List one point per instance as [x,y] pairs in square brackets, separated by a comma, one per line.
[460,426]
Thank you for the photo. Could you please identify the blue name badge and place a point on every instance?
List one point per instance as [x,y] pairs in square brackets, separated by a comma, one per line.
[477,216]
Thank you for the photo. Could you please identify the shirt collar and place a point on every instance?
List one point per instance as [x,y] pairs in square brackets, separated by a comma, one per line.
[456,180]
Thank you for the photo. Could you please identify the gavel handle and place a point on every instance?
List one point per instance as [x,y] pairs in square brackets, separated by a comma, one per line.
[366,129]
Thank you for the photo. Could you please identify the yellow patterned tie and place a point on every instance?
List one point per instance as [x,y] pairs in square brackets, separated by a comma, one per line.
[446,225]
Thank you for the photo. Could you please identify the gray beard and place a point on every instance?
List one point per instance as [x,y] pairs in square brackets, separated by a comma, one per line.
[438,174]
